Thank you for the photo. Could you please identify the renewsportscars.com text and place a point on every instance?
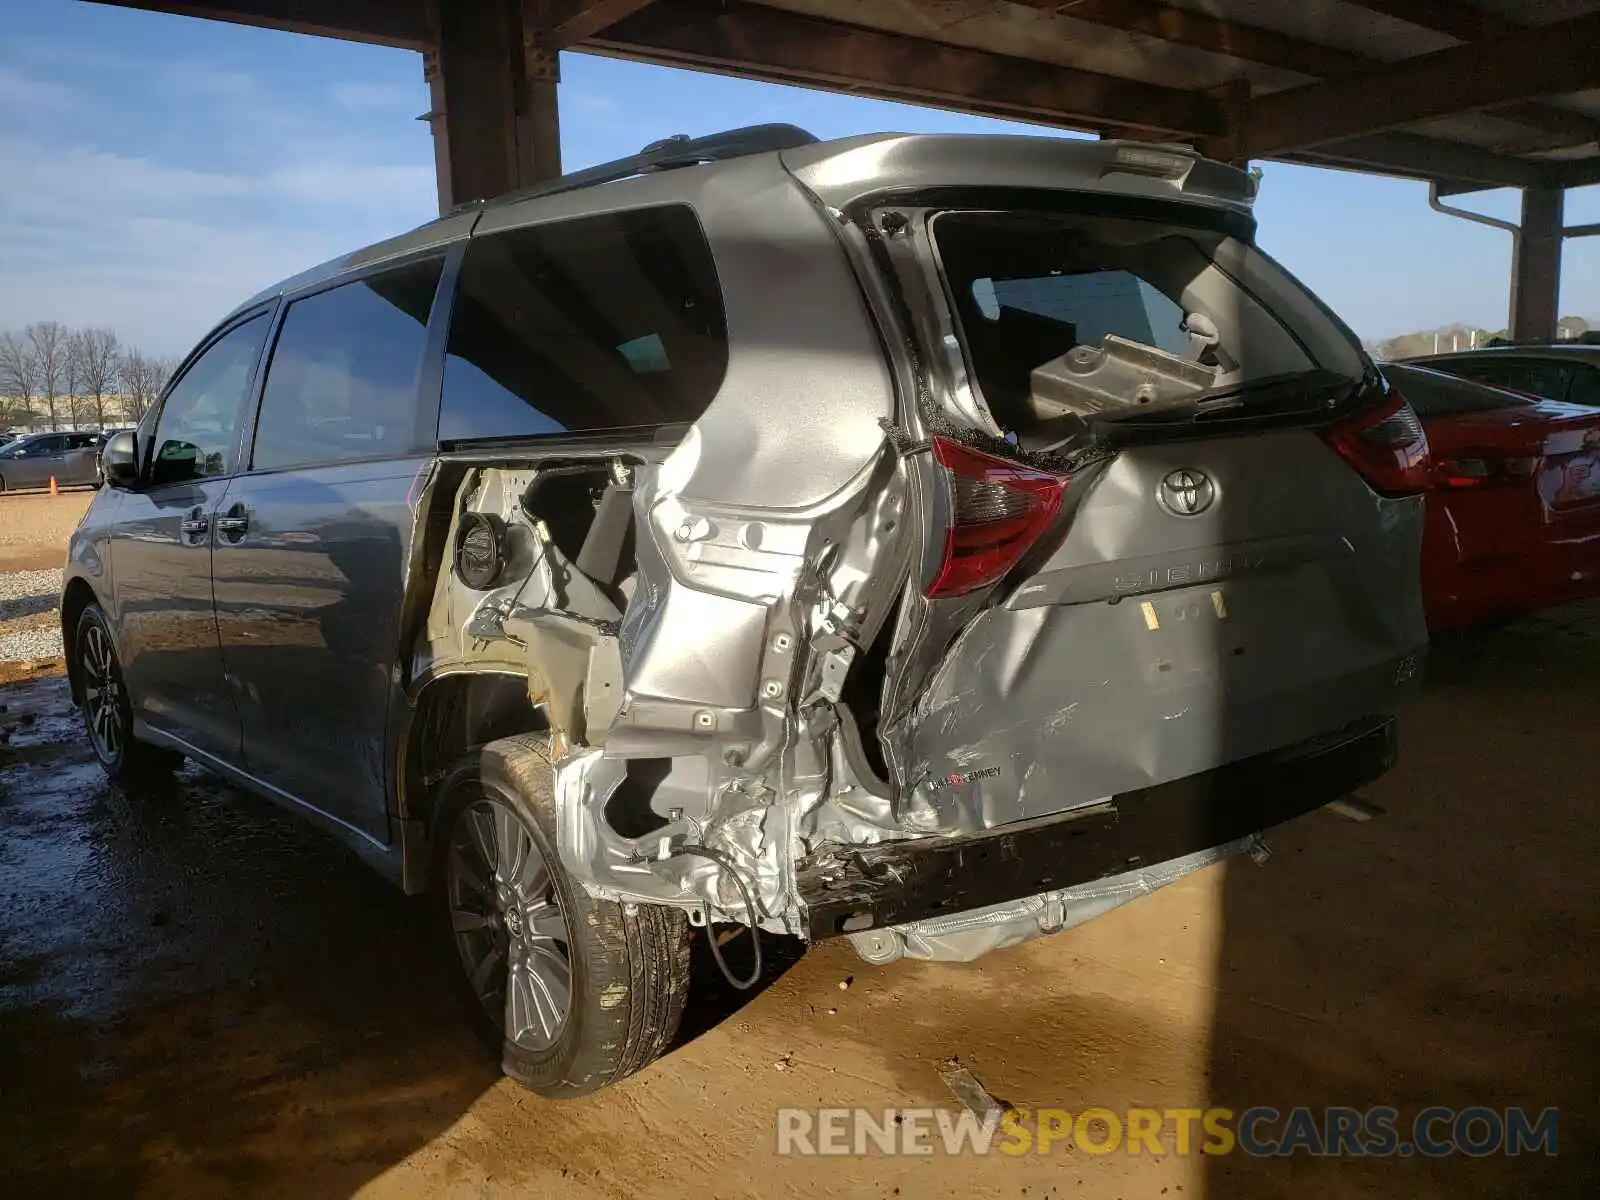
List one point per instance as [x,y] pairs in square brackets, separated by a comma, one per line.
[1259,1132]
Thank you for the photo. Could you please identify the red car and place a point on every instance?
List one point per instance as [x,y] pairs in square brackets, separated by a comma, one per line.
[1513,520]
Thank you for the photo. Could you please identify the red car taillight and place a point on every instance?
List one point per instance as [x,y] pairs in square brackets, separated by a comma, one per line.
[998,509]
[1388,446]
[1485,471]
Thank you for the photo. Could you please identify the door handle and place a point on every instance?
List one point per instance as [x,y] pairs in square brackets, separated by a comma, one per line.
[232,526]
[195,526]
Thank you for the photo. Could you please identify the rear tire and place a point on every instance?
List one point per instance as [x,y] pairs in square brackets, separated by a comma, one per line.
[107,712]
[502,897]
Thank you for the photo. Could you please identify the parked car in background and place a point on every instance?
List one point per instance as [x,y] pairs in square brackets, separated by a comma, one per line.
[1567,371]
[1514,512]
[34,459]
[1037,542]
[7,438]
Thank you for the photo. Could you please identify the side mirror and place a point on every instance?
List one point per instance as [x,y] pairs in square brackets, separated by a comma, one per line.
[119,461]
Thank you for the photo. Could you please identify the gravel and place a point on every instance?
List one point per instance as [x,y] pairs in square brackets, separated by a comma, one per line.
[30,644]
[28,626]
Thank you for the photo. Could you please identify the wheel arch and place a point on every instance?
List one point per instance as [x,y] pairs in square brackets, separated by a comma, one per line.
[75,597]
[449,716]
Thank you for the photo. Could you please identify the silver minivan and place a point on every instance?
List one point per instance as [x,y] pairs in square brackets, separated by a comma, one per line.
[928,541]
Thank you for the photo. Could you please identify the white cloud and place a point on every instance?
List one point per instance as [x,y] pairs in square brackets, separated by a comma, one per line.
[25,93]
[160,253]
[191,78]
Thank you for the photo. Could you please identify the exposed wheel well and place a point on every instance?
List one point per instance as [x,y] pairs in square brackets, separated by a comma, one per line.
[77,597]
[452,715]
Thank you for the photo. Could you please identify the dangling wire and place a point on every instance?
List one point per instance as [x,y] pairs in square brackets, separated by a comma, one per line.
[727,864]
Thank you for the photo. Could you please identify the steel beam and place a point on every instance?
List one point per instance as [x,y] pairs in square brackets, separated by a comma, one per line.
[1536,265]
[1185,27]
[495,111]
[572,21]
[1423,158]
[1451,17]
[402,23]
[1552,59]
[751,40]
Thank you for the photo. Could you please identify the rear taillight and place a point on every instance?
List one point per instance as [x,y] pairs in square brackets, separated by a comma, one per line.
[1488,471]
[1387,445]
[998,509]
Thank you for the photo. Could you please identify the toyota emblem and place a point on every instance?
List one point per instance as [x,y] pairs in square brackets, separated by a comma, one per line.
[1186,492]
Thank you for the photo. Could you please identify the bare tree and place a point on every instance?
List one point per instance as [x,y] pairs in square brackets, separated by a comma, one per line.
[72,375]
[49,342]
[142,377]
[19,371]
[99,354]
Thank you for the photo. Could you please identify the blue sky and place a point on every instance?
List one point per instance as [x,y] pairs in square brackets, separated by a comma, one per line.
[155,170]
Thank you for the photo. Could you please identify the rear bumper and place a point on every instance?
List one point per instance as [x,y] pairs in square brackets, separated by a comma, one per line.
[900,882]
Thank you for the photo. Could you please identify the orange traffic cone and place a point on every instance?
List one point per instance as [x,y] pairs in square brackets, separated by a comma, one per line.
[53,485]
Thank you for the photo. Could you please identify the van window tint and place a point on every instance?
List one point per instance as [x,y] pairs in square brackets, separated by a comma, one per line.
[602,322]
[342,383]
[198,428]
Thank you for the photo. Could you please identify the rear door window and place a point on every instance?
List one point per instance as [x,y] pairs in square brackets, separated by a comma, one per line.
[343,381]
[606,322]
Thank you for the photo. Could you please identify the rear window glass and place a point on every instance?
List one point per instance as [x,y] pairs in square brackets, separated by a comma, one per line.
[604,322]
[1027,288]
[1434,394]
[1530,376]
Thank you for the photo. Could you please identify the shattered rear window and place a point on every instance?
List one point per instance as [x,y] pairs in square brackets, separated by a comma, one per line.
[1029,288]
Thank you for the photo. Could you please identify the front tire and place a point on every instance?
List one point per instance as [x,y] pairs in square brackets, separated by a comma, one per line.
[578,993]
[107,712]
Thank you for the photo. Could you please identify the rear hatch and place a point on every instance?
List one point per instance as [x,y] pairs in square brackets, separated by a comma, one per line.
[1170,511]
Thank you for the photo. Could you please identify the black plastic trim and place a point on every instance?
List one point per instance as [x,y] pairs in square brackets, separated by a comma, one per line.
[894,883]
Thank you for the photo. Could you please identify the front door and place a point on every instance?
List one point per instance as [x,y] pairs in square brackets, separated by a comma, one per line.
[161,549]
[313,541]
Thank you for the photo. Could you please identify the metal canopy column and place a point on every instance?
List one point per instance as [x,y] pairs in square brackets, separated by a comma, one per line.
[1536,265]
[493,79]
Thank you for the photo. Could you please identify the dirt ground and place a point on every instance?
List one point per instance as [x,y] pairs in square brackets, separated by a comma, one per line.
[35,526]
[201,997]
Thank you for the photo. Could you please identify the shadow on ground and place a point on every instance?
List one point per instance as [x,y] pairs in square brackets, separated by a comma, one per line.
[194,986]
[200,993]
[1444,956]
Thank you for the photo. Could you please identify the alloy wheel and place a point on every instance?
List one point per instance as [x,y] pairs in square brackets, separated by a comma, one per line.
[102,693]
[510,930]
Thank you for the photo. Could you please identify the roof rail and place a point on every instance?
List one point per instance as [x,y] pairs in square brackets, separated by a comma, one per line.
[666,154]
